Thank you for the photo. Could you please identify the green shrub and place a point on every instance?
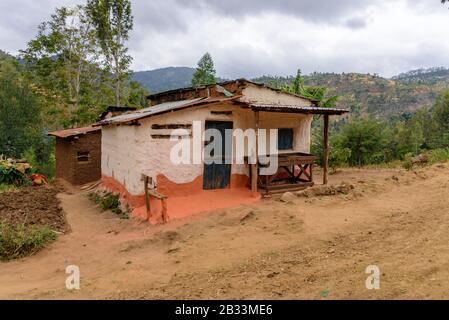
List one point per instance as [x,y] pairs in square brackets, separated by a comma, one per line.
[45,167]
[6,187]
[109,201]
[438,155]
[407,163]
[17,241]
[338,157]
[10,175]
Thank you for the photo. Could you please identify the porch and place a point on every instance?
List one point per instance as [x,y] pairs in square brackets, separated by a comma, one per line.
[294,170]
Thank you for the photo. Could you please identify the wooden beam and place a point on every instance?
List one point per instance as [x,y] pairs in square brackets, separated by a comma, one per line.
[326,148]
[254,167]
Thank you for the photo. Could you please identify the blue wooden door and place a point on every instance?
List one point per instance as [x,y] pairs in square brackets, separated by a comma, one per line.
[217,175]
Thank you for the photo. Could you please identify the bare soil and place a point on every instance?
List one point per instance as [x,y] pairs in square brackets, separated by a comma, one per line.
[33,206]
[314,246]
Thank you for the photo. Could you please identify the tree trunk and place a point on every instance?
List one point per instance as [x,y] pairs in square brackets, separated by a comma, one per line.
[117,81]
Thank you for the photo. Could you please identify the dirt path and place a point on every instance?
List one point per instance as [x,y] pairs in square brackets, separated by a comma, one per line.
[310,248]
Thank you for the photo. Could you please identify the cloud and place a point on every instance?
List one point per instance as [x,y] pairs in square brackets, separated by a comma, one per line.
[254,37]
[356,23]
[322,11]
[19,20]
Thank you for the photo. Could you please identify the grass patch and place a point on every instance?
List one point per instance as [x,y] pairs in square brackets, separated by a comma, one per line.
[395,164]
[438,155]
[429,157]
[109,201]
[18,241]
[7,187]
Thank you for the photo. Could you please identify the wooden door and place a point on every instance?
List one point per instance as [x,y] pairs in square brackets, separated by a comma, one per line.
[218,175]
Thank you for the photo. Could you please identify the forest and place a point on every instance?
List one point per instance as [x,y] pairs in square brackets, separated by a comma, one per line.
[76,66]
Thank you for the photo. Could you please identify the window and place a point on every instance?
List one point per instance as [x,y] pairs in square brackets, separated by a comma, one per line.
[83,156]
[285,139]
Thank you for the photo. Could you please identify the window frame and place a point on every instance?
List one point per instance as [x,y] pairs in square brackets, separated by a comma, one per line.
[291,133]
[83,155]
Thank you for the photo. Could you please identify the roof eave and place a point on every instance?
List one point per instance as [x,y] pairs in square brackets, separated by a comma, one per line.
[299,110]
[204,101]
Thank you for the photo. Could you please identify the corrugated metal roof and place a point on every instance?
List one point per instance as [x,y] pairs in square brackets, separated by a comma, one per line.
[160,108]
[178,105]
[142,113]
[297,109]
[73,132]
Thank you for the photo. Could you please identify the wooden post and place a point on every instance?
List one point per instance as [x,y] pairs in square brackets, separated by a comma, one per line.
[326,148]
[254,167]
[164,211]
[147,197]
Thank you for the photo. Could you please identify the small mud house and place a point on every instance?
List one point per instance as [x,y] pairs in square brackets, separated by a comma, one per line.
[78,154]
[137,148]
[78,150]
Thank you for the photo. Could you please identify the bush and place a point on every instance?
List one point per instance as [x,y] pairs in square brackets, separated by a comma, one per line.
[109,201]
[44,166]
[438,155]
[14,174]
[17,241]
[6,187]
[338,157]
[408,161]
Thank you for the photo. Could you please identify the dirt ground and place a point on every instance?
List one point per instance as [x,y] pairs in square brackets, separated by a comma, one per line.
[315,247]
[33,206]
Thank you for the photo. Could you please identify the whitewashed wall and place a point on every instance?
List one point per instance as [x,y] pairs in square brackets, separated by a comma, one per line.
[130,151]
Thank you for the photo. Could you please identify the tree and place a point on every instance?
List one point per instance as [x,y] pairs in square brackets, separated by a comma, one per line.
[440,122]
[113,21]
[365,140]
[408,138]
[137,95]
[63,62]
[20,124]
[338,156]
[316,93]
[205,72]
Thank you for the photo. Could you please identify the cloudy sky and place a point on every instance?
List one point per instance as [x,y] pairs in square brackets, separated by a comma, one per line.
[249,38]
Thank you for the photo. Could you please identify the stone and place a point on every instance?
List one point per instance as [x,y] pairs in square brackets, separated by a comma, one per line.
[287,197]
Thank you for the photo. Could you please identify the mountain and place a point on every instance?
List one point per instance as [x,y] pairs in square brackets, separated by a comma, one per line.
[424,76]
[165,79]
[372,94]
[361,93]
[4,55]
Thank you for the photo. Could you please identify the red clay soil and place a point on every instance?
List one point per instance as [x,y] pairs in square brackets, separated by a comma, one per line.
[33,206]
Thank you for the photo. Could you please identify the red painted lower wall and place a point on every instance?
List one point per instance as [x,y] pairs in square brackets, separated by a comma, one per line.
[177,194]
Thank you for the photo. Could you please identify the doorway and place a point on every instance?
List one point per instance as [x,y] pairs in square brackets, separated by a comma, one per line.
[217,164]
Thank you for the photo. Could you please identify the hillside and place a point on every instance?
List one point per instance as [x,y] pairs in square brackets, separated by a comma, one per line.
[424,76]
[365,93]
[4,55]
[164,79]
[362,93]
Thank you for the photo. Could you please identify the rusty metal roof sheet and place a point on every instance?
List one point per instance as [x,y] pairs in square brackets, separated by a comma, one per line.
[243,80]
[297,109]
[73,132]
[161,108]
